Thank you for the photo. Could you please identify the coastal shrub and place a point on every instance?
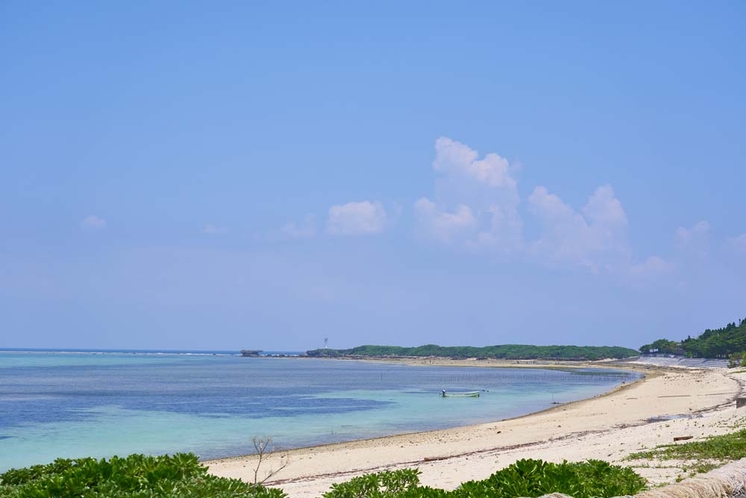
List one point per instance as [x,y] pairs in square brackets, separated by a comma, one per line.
[136,476]
[737,360]
[529,478]
[725,447]
[181,475]
[390,483]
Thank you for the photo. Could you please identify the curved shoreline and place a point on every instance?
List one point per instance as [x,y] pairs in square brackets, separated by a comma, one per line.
[607,426]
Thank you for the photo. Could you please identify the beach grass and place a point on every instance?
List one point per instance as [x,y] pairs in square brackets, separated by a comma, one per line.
[697,457]
[723,448]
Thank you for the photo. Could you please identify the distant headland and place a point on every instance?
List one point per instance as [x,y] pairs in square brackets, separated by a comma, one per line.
[501,352]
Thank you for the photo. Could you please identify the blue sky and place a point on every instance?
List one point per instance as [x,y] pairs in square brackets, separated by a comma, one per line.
[266,174]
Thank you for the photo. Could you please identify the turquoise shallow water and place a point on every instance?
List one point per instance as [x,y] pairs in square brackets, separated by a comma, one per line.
[71,405]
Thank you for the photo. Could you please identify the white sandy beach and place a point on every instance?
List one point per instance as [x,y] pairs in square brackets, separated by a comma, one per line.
[607,427]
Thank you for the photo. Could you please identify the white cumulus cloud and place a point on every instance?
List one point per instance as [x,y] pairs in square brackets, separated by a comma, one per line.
[737,243]
[694,240]
[475,203]
[444,226]
[303,230]
[93,222]
[356,218]
[604,209]
[452,157]
[594,238]
[476,206]
[652,266]
[504,232]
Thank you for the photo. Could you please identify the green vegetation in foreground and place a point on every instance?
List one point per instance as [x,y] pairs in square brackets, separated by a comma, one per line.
[726,342]
[529,478]
[182,476]
[136,476]
[505,351]
[708,454]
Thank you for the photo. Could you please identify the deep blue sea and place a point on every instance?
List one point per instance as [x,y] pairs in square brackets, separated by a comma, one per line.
[74,404]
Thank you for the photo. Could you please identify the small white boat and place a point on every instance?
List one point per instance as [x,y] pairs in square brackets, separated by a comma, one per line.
[466,394]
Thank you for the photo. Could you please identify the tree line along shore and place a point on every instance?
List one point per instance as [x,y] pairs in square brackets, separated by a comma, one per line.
[501,352]
[727,342]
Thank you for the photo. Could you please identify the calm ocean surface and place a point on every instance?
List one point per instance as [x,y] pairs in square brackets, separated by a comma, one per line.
[101,404]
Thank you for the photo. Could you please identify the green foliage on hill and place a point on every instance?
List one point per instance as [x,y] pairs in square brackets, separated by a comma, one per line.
[505,351]
[529,478]
[136,476]
[718,343]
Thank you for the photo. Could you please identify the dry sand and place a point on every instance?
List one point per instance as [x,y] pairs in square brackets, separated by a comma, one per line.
[685,402]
